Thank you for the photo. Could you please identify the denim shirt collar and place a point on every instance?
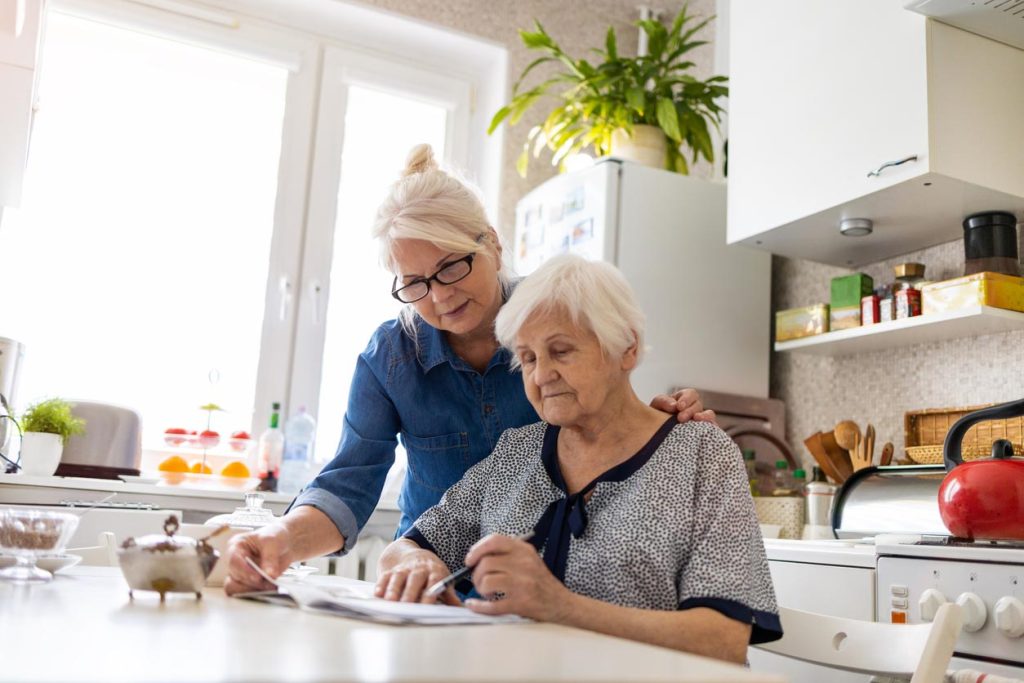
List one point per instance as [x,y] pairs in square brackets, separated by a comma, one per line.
[432,349]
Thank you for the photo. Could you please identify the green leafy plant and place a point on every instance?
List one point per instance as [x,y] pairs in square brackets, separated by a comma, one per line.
[594,100]
[52,416]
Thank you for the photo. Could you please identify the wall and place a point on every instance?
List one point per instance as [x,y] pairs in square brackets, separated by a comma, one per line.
[880,387]
[576,25]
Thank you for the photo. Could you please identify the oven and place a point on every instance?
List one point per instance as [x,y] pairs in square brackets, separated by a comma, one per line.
[985,578]
[892,560]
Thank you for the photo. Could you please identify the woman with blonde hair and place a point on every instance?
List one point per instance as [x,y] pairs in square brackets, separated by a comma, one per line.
[436,377]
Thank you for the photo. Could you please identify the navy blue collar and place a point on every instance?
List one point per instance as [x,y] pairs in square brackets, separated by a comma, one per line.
[624,470]
[568,515]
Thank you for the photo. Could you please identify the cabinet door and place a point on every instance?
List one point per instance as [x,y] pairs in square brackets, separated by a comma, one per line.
[821,93]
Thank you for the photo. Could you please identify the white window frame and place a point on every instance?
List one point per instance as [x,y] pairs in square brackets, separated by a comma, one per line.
[343,69]
[323,42]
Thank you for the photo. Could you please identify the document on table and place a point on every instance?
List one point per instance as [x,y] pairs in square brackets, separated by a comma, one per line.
[348,602]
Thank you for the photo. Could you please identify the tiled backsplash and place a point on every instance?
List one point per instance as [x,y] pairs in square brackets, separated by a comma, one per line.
[880,387]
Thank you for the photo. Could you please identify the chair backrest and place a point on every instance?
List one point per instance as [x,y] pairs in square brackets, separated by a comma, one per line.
[921,651]
[102,555]
[112,437]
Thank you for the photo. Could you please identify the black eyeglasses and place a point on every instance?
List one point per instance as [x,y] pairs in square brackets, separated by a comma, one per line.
[448,274]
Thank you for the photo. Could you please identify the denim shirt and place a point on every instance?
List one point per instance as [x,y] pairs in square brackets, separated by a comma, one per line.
[448,414]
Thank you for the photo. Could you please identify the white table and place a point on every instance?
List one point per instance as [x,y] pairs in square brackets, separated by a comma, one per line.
[82,627]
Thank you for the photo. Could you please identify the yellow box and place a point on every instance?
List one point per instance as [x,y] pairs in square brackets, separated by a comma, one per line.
[794,323]
[988,289]
[844,317]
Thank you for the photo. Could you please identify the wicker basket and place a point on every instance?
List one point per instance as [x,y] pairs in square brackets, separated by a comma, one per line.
[786,511]
[925,432]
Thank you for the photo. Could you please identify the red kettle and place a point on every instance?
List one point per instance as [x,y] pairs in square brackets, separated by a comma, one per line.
[983,499]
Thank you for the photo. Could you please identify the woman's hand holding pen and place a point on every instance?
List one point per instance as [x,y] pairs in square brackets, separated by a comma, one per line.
[408,572]
[511,568]
[269,547]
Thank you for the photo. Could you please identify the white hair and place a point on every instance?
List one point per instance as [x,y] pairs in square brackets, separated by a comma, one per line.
[593,294]
[428,203]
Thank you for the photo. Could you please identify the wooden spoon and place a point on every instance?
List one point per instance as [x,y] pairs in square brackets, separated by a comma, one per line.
[868,451]
[839,457]
[819,451]
[847,434]
[849,437]
[886,458]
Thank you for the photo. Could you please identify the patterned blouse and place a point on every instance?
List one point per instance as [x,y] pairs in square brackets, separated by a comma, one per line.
[671,528]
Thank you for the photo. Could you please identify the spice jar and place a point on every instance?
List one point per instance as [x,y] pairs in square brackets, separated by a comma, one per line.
[906,290]
[886,304]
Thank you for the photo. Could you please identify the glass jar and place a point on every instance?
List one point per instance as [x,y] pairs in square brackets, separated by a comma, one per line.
[750,461]
[252,515]
[782,482]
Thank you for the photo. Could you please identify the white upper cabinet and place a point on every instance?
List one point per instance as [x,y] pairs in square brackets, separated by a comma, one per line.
[825,94]
[21,27]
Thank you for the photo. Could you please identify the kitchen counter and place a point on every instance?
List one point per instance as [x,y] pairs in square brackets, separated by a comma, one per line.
[197,504]
[83,627]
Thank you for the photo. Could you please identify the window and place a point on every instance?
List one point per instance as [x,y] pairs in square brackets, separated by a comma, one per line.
[360,289]
[201,186]
[143,241]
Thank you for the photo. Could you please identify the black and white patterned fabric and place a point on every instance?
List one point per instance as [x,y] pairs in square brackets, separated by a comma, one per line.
[671,528]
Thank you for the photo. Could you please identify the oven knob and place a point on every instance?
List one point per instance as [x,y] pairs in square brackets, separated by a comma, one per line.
[1009,617]
[974,611]
[930,602]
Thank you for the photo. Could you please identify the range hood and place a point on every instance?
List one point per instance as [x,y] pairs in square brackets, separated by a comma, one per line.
[1001,20]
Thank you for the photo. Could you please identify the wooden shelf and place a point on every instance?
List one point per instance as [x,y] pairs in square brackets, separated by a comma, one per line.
[923,329]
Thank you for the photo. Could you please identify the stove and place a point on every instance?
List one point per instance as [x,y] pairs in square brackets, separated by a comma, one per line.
[985,578]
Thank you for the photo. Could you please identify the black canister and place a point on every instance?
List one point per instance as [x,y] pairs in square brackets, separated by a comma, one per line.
[990,243]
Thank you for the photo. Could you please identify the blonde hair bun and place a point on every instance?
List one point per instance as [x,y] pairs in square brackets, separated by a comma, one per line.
[420,160]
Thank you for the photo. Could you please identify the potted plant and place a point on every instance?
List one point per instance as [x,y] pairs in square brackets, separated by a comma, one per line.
[650,99]
[46,427]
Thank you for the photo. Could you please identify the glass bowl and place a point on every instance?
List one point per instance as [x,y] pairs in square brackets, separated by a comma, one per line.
[28,534]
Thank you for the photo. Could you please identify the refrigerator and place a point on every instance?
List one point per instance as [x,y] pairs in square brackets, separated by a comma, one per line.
[707,303]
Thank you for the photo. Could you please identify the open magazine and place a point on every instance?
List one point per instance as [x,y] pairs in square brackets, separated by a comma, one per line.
[349,598]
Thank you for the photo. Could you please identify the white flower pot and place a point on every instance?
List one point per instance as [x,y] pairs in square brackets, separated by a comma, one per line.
[40,453]
[648,145]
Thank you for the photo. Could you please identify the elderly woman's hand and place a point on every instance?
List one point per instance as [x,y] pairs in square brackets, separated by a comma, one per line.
[686,404]
[409,572]
[511,570]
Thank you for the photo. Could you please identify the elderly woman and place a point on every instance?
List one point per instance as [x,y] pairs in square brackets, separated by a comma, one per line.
[645,527]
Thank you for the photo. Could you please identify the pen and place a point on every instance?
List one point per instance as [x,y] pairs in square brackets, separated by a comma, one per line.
[452,578]
[259,570]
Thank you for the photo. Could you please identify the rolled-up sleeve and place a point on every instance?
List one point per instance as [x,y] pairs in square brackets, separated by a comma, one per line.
[349,486]
[728,570]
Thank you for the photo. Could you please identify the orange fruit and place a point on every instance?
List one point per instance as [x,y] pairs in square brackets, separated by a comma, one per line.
[174,463]
[236,468]
[199,467]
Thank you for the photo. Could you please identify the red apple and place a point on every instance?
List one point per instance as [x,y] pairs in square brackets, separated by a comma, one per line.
[175,436]
[209,438]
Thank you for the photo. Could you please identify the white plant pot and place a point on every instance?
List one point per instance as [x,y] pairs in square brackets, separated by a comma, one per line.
[40,453]
[648,145]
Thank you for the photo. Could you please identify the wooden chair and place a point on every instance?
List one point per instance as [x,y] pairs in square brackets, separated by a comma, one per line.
[920,651]
[102,555]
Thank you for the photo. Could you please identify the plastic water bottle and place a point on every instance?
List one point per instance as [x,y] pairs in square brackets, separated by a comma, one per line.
[297,465]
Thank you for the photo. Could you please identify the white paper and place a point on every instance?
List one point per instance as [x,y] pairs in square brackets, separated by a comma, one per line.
[351,601]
